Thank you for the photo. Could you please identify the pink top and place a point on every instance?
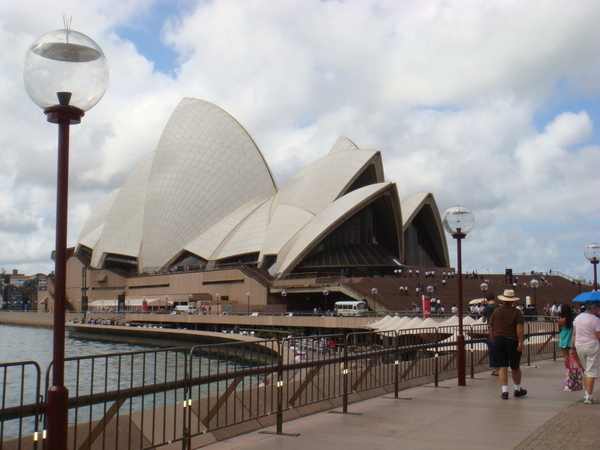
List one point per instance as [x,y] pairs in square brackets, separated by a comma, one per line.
[586,325]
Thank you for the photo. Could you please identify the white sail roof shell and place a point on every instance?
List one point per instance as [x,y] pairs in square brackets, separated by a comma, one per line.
[205,167]
[313,189]
[330,217]
[207,190]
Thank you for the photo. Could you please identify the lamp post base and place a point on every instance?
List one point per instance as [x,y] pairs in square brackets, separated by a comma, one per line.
[57,417]
[460,360]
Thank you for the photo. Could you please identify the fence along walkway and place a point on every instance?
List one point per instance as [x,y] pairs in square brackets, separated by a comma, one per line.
[188,400]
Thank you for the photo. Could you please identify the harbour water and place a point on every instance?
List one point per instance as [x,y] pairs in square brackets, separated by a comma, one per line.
[121,366]
[18,343]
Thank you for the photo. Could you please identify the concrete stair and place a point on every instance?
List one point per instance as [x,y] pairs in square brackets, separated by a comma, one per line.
[555,288]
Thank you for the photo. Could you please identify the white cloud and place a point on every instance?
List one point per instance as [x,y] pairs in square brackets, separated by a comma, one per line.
[450,92]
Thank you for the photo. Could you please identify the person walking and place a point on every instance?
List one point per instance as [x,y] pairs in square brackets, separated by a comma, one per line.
[586,343]
[486,314]
[507,331]
[565,324]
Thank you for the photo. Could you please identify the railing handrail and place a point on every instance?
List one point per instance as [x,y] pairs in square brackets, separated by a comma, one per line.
[351,361]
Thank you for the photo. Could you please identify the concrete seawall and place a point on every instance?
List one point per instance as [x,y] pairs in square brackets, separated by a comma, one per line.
[34,318]
[155,336]
[307,324]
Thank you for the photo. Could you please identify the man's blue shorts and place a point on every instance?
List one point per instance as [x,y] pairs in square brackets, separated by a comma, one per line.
[505,352]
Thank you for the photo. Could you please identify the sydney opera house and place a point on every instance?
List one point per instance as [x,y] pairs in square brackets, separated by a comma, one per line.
[202,218]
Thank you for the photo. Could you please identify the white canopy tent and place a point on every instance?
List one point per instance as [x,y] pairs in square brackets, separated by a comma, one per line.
[396,323]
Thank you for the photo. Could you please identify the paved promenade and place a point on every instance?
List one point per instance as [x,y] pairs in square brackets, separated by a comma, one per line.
[449,417]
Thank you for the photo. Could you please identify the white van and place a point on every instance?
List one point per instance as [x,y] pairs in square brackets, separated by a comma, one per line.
[185,309]
[351,308]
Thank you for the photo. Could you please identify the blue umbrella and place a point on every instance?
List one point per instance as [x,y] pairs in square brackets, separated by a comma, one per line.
[585,296]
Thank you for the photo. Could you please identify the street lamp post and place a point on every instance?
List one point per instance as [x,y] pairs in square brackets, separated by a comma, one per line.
[484,287]
[592,253]
[325,294]
[66,74]
[284,294]
[534,284]
[374,291]
[248,295]
[458,221]
[218,303]
[579,280]
[427,305]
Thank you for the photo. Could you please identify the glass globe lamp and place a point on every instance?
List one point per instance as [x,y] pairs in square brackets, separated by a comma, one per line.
[67,68]
[458,220]
[592,252]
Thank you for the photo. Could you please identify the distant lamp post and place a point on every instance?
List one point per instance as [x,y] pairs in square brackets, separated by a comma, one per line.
[218,302]
[284,293]
[458,221]
[484,287]
[579,280]
[248,295]
[534,284]
[592,253]
[427,302]
[374,291]
[65,73]
[166,302]
[325,294]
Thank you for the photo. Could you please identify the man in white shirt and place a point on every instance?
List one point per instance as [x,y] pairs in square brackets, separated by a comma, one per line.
[586,342]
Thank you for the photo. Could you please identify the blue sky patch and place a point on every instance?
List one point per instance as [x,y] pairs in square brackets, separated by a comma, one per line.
[146,32]
[563,103]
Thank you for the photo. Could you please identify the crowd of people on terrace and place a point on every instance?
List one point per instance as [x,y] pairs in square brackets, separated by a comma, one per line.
[94,321]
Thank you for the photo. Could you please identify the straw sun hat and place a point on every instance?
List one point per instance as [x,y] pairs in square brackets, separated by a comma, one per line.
[508,296]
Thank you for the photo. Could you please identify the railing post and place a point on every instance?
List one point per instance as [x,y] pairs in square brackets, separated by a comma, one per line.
[280,389]
[187,402]
[396,365]
[279,386]
[345,374]
[436,375]
[528,347]
[555,334]
[471,351]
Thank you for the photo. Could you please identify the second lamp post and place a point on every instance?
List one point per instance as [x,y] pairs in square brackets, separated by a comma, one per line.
[458,221]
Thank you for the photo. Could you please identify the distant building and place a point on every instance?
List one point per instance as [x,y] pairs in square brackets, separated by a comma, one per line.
[17,279]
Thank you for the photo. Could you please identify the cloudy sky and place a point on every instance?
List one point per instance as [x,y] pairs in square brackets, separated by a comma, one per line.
[494,105]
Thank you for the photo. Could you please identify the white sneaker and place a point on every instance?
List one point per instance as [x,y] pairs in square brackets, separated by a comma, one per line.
[589,400]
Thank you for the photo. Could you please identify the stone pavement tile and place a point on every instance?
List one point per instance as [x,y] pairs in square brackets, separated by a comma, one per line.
[574,428]
[450,416]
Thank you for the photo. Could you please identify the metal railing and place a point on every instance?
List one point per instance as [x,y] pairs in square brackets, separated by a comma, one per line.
[177,396]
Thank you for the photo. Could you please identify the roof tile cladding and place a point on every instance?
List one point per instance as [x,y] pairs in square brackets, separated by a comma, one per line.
[92,230]
[122,231]
[207,190]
